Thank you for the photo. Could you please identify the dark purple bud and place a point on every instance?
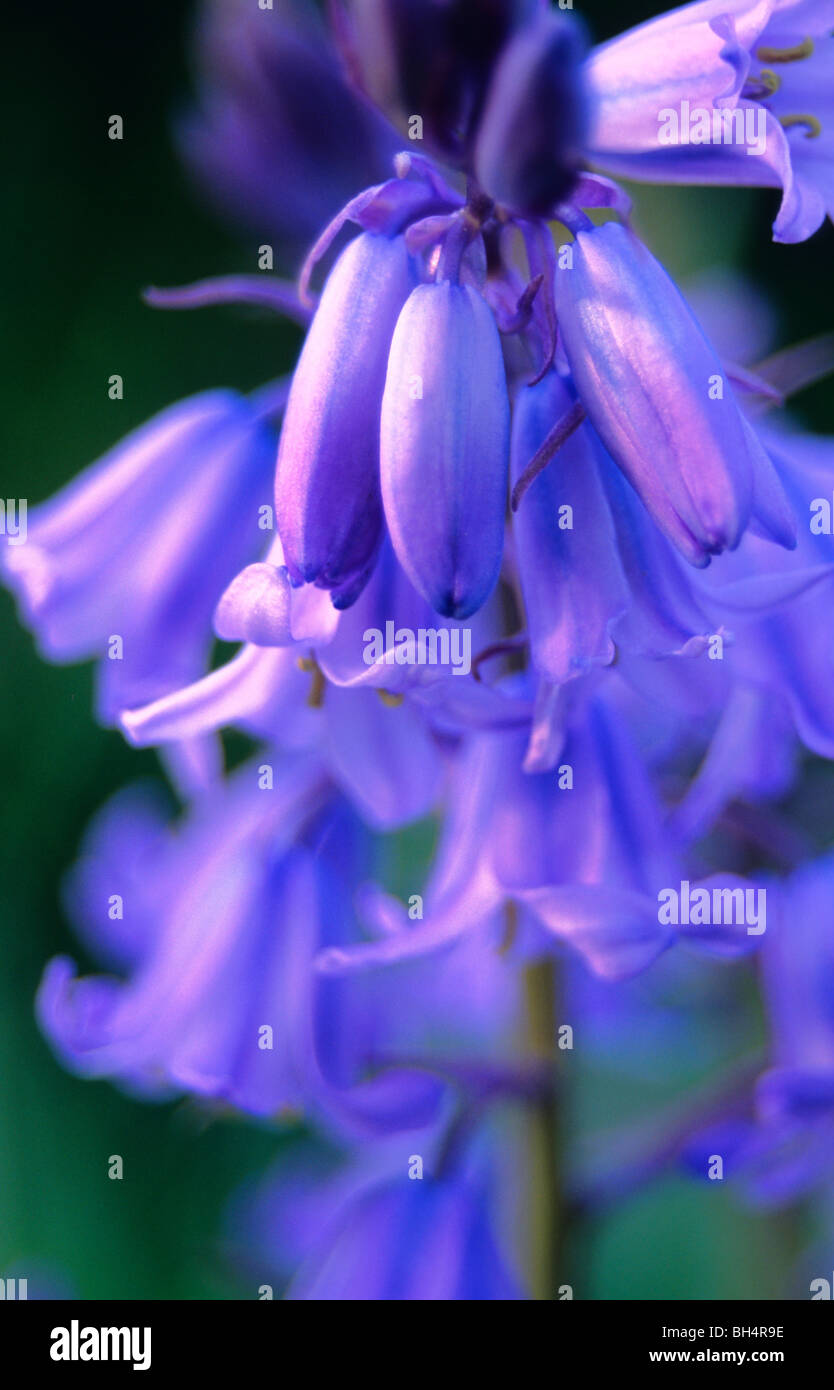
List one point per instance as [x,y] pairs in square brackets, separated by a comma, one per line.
[427,63]
[328,505]
[444,445]
[532,132]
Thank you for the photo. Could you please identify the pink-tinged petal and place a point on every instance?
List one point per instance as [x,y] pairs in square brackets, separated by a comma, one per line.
[258,690]
[256,607]
[655,391]
[699,53]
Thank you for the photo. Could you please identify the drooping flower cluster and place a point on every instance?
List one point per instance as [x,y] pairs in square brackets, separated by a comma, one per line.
[542,569]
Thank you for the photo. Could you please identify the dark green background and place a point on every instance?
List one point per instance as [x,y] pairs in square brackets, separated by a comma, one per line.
[86,224]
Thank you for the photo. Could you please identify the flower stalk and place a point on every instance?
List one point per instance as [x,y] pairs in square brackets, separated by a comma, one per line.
[545,1206]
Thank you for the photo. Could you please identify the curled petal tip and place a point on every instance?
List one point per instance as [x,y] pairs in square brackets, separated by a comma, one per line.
[256,607]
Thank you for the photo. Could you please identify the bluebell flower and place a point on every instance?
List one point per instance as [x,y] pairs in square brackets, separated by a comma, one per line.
[268,693]
[417,1241]
[440,427]
[356,699]
[216,994]
[655,392]
[364,645]
[766,64]
[364,1230]
[263,692]
[631,596]
[456,361]
[765,69]
[571,575]
[744,714]
[783,606]
[115,566]
[444,447]
[784,1150]
[327,481]
[579,848]
[663,406]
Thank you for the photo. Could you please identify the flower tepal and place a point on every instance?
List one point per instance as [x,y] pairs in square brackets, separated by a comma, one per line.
[659,398]
[444,446]
[114,566]
[327,484]
[688,96]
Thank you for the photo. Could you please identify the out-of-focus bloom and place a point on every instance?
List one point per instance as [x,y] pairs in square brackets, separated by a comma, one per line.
[127,563]
[219,996]
[580,849]
[279,138]
[778,603]
[531,138]
[264,693]
[432,59]
[725,92]
[412,1241]
[787,1149]
[745,85]
[366,1229]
